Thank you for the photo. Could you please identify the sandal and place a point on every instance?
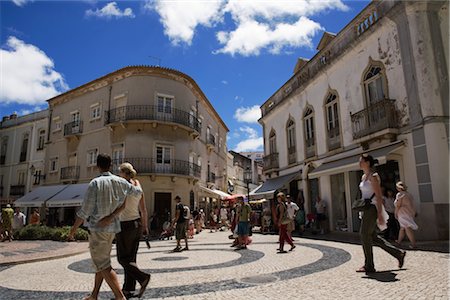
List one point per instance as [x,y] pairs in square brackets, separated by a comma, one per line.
[364,270]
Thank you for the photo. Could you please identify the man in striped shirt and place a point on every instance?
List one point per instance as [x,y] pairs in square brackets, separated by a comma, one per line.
[105,196]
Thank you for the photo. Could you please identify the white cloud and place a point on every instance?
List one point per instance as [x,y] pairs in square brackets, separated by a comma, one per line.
[28,75]
[252,142]
[181,18]
[224,82]
[248,114]
[275,26]
[110,10]
[19,2]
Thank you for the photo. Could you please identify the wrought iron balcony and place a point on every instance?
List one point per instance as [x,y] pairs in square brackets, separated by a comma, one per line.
[334,138]
[153,166]
[271,161]
[152,113]
[17,190]
[73,128]
[292,155]
[379,116]
[70,173]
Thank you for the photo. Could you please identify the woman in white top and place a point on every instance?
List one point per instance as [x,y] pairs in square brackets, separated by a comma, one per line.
[373,215]
[133,223]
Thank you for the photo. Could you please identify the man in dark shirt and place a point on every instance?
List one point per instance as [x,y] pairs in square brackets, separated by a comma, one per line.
[181,226]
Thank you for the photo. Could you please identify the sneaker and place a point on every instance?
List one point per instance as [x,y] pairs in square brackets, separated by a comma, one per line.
[185,249]
[177,249]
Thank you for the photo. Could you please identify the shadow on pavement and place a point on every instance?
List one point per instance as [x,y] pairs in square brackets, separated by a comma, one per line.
[383,276]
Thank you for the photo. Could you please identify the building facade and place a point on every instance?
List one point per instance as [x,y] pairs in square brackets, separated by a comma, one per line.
[379,86]
[157,119]
[22,154]
[244,170]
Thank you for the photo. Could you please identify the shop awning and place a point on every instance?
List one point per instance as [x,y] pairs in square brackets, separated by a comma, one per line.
[218,194]
[39,195]
[351,163]
[71,196]
[273,184]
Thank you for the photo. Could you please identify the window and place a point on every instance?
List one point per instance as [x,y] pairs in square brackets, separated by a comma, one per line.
[95,111]
[41,140]
[374,85]
[332,115]
[308,119]
[92,157]
[37,177]
[54,164]
[117,158]
[3,148]
[24,148]
[163,155]
[57,124]
[165,104]
[290,128]
[75,117]
[272,142]
[21,178]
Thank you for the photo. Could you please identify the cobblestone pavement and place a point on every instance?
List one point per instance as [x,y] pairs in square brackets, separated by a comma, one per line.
[316,269]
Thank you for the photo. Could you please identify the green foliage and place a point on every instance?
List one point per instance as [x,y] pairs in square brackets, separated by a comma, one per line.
[37,232]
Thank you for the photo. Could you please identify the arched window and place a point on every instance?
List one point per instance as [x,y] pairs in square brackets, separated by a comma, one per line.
[332,113]
[374,84]
[308,119]
[24,148]
[272,142]
[291,142]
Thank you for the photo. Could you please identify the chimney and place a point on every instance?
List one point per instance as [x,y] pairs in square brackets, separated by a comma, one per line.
[13,116]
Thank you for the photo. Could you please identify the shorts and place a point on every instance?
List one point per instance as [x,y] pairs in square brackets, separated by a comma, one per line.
[100,244]
[180,230]
[243,228]
[291,226]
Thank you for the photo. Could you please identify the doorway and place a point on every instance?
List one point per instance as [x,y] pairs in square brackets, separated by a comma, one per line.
[162,208]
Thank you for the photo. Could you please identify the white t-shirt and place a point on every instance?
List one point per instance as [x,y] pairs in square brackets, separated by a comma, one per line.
[291,209]
[320,207]
[223,213]
[131,211]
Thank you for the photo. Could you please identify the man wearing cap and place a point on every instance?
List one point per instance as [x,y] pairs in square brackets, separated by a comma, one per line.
[181,226]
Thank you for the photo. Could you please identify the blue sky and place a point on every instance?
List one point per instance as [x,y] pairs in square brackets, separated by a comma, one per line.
[239,52]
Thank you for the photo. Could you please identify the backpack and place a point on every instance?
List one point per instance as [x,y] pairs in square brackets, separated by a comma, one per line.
[186,212]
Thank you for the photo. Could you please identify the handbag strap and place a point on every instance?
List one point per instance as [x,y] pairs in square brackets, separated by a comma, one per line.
[373,195]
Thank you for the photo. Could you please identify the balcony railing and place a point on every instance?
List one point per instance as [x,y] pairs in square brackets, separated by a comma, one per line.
[271,161]
[212,177]
[70,173]
[211,140]
[292,155]
[17,190]
[334,138]
[379,116]
[153,166]
[152,113]
[73,128]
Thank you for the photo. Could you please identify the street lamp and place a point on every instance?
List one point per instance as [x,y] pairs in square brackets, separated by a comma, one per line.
[248,178]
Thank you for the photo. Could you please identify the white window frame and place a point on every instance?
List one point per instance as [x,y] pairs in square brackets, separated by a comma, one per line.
[53,160]
[41,139]
[377,81]
[57,124]
[92,157]
[95,112]
[164,148]
[165,100]
[75,116]
[272,142]
[21,177]
[290,133]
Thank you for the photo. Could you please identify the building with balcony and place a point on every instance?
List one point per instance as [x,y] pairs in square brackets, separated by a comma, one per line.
[379,86]
[157,119]
[22,154]
[244,169]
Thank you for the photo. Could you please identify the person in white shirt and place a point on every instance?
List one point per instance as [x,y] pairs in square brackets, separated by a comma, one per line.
[224,216]
[292,209]
[19,220]
[320,213]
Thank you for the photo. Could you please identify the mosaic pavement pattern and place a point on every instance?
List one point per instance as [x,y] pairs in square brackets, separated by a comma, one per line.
[213,270]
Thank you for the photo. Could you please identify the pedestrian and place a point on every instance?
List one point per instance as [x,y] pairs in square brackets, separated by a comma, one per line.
[202,218]
[180,224]
[283,221]
[35,217]
[7,218]
[300,218]
[224,217]
[393,227]
[19,220]
[133,223]
[292,210]
[320,214]
[243,230]
[370,186]
[213,221]
[405,213]
[105,195]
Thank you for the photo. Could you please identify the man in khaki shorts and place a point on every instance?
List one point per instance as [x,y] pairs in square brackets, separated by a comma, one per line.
[105,197]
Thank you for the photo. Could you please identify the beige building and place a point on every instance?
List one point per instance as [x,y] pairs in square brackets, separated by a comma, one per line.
[22,154]
[156,118]
[379,86]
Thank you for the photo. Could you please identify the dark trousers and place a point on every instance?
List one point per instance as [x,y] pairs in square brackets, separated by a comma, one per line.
[127,242]
[369,237]
[284,237]
[391,232]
